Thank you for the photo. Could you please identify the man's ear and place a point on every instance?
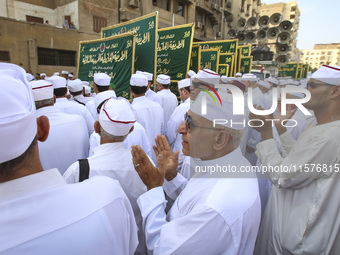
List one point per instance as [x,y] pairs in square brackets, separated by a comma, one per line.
[43,128]
[97,127]
[221,140]
[335,92]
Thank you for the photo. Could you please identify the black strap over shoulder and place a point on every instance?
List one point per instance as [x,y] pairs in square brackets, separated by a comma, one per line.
[78,101]
[84,169]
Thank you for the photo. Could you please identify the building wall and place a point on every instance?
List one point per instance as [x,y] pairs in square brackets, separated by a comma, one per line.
[326,56]
[22,39]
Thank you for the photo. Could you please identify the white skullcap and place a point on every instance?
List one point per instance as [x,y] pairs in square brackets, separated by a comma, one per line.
[42,89]
[29,77]
[218,111]
[102,96]
[273,80]
[139,80]
[42,74]
[58,82]
[184,83]
[264,84]
[75,85]
[249,77]
[208,76]
[148,75]
[238,75]
[328,74]
[18,123]
[163,79]
[70,75]
[191,73]
[102,79]
[86,83]
[117,116]
[297,94]
[226,79]
[87,89]
[64,72]
[56,74]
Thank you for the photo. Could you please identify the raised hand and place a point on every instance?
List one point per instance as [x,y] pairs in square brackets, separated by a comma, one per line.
[166,160]
[150,175]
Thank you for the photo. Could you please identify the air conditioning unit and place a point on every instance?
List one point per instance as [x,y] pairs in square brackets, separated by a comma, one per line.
[134,3]
[218,34]
[199,25]
[221,9]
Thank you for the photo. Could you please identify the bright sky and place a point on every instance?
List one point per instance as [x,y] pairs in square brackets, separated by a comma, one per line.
[319,22]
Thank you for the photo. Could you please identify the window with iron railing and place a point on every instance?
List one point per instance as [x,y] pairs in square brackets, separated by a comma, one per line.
[99,23]
[53,57]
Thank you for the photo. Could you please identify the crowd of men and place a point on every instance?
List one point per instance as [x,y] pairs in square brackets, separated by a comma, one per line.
[93,173]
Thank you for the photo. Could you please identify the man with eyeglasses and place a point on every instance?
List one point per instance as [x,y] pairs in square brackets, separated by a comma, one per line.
[302,214]
[213,212]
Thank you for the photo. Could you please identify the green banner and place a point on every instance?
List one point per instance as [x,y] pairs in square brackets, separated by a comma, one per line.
[242,51]
[223,70]
[227,59]
[174,50]
[113,56]
[210,59]
[225,46]
[195,58]
[305,68]
[289,70]
[146,40]
[245,64]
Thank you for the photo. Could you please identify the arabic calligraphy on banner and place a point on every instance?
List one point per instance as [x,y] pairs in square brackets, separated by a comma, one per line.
[173,51]
[113,56]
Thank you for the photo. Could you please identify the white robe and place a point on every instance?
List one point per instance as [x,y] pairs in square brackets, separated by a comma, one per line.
[41,214]
[174,138]
[150,116]
[67,140]
[170,103]
[114,161]
[302,214]
[209,215]
[70,107]
[152,95]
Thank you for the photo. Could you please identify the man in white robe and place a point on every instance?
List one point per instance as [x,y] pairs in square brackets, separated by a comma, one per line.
[169,99]
[41,214]
[149,113]
[302,214]
[68,137]
[110,158]
[213,209]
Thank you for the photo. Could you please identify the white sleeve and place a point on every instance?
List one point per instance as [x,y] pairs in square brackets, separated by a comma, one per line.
[299,168]
[186,234]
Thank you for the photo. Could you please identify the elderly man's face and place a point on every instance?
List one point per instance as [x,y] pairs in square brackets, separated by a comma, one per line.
[198,136]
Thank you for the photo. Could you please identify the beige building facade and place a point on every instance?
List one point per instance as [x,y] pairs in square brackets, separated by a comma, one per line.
[322,54]
[44,36]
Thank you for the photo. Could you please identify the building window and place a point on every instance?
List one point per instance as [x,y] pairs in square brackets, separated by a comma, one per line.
[179,8]
[34,19]
[164,4]
[293,8]
[199,17]
[292,16]
[99,23]
[52,57]
[4,56]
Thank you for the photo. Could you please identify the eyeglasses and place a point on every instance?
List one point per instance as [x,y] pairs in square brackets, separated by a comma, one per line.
[189,124]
